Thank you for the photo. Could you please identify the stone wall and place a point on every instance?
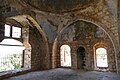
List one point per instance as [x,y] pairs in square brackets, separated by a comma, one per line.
[1,32]
[102,14]
[40,59]
[89,53]
[118,13]
[86,35]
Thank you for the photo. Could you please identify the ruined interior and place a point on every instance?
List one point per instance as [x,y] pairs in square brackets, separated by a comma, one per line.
[80,35]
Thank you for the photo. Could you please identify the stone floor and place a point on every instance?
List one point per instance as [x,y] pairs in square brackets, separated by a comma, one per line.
[67,74]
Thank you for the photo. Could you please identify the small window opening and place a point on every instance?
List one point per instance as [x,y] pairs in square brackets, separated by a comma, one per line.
[12,31]
[16,32]
[7,30]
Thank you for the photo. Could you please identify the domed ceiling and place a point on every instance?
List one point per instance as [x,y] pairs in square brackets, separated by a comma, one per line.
[60,5]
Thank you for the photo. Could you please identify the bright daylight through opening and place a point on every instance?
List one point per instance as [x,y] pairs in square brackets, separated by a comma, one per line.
[65,56]
[11,52]
[101,55]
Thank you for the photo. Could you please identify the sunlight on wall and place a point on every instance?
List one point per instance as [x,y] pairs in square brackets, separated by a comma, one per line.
[101,55]
[65,55]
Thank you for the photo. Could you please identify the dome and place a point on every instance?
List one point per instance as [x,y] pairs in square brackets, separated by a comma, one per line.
[59,5]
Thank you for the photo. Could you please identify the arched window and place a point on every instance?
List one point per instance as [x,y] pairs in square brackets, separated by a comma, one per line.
[65,56]
[101,57]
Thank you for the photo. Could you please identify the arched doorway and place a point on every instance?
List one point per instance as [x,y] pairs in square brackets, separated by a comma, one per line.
[65,56]
[81,63]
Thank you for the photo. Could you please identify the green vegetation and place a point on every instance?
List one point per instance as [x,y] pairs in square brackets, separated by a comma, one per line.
[11,62]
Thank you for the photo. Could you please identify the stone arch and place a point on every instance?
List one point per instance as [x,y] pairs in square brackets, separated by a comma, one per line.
[97,46]
[110,56]
[25,37]
[95,22]
[28,22]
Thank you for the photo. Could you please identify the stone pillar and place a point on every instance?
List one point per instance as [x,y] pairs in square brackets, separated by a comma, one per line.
[74,56]
[54,55]
[27,51]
